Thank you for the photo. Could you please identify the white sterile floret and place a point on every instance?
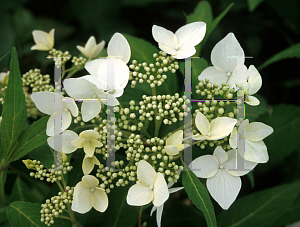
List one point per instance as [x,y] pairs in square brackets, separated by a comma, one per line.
[89,163]
[174,143]
[159,209]
[101,70]
[150,187]
[217,129]
[223,177]
[92,96]
[255,148]
[181,44]
[223,58]
[64,144]
[87,194]
[46,102]
[43,40]
[253,84]
[91,48]
[88,141]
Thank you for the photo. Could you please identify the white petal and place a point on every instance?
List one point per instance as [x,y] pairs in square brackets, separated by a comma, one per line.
[202,124]
[215,75]
[254,80]
[90,109]
[88,149]
[159,212]
[220,154]
[79,88]
[65,120]
[224,188]
[258,131]
[205,166]
[224,51]
[95,160]
[146,173]
[45,101]
[82,50]
[99,85]
[87,165]
[171,150]
[252,101]
[191,34]
[139,195]
[172,190]
[99,199]
[79,142]
[43,40]
[67,137]
[97,49]
[89,46]
[233,138]
[71,105]
[166,39]
[175,139]
[81,199]
[119,47]
[161,192]
[256,151]
[152,210]
[89,181]
[185,52]
[199,137]
[231,164]
[221,127]
[92,66]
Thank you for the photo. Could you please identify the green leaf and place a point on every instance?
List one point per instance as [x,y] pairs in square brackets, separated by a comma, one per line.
[21,192]
[14,108]
[253,112]
[285,120]
[260,209]
[198,194]
[26,214]
[290,52]
[291,214]
[253,4]
[44,154]
[3,217]
[33,137]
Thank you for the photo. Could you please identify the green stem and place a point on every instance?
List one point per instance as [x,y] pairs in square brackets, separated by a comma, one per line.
[72,216]
[140,217]
[2,188]
[60,186]
[75,71]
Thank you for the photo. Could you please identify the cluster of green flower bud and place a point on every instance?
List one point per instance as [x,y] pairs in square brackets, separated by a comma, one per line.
[50,175]
[153,73]
[55,206]
[210,90]
[36,81]
[113,177]
[31,109]
[212,143]
[79,61]
[169,108]
[65,56]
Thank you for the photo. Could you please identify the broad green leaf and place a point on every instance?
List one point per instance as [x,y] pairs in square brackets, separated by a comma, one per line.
[26,214]
[285,120]
[290,52]
[44,154]
[291,214]
[3,217]
[198,194]
[14,108]
[253,4]
[253,112]
[260,209]
[21,192]
[33,137]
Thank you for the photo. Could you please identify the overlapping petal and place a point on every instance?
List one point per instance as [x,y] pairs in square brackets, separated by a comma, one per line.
[160,191]
[205,166]
[99,200]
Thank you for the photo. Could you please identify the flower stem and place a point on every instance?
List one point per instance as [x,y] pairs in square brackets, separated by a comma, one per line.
[140,216]
[3,182]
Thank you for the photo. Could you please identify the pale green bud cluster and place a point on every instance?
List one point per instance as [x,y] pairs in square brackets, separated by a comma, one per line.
[36,81]
[153,73]
[56,206]
[169,108]
[50,175]
[79,61]
[65,56]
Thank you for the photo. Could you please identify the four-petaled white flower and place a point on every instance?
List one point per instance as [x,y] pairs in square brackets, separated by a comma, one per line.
[174,143]
[217,129]
[151,186]
[223,58]
[181,44]
[101,70]
[43,40]
[91,48]
[223,177]
[66,142]
[87,195]
[79,88]
[89,163]
[88,140]
[252,86]
[46,103]
[255,148]
[159,209]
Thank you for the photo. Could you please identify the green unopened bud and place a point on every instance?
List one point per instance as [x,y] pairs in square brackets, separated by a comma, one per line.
[29,164]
